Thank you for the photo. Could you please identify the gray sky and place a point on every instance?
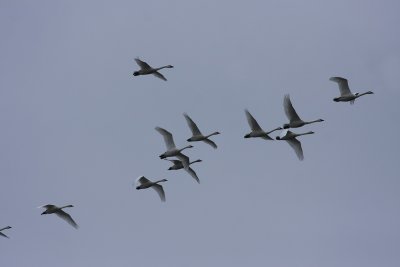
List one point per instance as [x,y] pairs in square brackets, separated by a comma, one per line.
[77,128]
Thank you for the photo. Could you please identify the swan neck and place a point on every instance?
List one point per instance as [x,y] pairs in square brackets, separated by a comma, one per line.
[305,133]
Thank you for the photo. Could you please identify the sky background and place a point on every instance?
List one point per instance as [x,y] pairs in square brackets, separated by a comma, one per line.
[77,128]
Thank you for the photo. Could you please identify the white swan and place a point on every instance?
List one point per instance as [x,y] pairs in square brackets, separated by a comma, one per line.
[294,119]
[345,94]
[290,138]
[146,69]
[256,130]
[50,209]
[7,227]
[143,183]
[178,165]
[196,134]
[172,151]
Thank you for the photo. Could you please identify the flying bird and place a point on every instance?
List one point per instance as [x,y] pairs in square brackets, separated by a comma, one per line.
[290,138]
[2,234]
[143,183]
[291,114]
[146,69]
[256,130]
[178,165]
[52,209]
[172,151]
[345,94]
[196,134]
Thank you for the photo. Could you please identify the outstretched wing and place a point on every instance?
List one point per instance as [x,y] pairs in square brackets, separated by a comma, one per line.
[3,235]
[289,109]
[193,127]
[343,85]
[193,174]
[66,217]
[143,65]
[174,161]
[211,143]
[142,180]
[168,139]
[184,159]
[160,191]
[252,122]
[159,75]
[296,145]
[48,206]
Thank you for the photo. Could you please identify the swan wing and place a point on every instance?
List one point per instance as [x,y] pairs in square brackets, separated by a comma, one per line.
[193,174]
[142,180]
[66,217]
[296,145]
[184,159]
[48,206]
[343,85]
[159,75]
[211,143]
[252,122]
[3,235]
[289,109]
[160,191]
[168,139]
[192,125]
[174,161]
[143,65]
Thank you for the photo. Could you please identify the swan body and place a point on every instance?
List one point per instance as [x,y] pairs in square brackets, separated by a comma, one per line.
[143,183]
[256,130]
[290,138]
[345,94]
[2,234]
[291,114]
[196,134]
[52,209]
[172,151]
[178,165]
[145,69]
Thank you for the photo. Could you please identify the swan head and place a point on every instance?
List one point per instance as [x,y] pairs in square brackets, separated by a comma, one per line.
[286,126]
[136,73]
[170,168]
[190,139]
[247,136]
[277,138]
[8,227]
[336,99]
[162,156]
[369,93]
[138,187]
[320,120]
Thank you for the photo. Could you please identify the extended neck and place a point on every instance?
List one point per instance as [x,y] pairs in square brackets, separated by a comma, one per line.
[189,146]
[7,227]
[366,93]
[160,181]
[310,132]
[276,129]
[309,122]
[214,133]
[68,206]
[163,67]
[199,160]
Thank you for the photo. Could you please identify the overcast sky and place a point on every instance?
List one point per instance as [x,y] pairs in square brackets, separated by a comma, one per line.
[77,128]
